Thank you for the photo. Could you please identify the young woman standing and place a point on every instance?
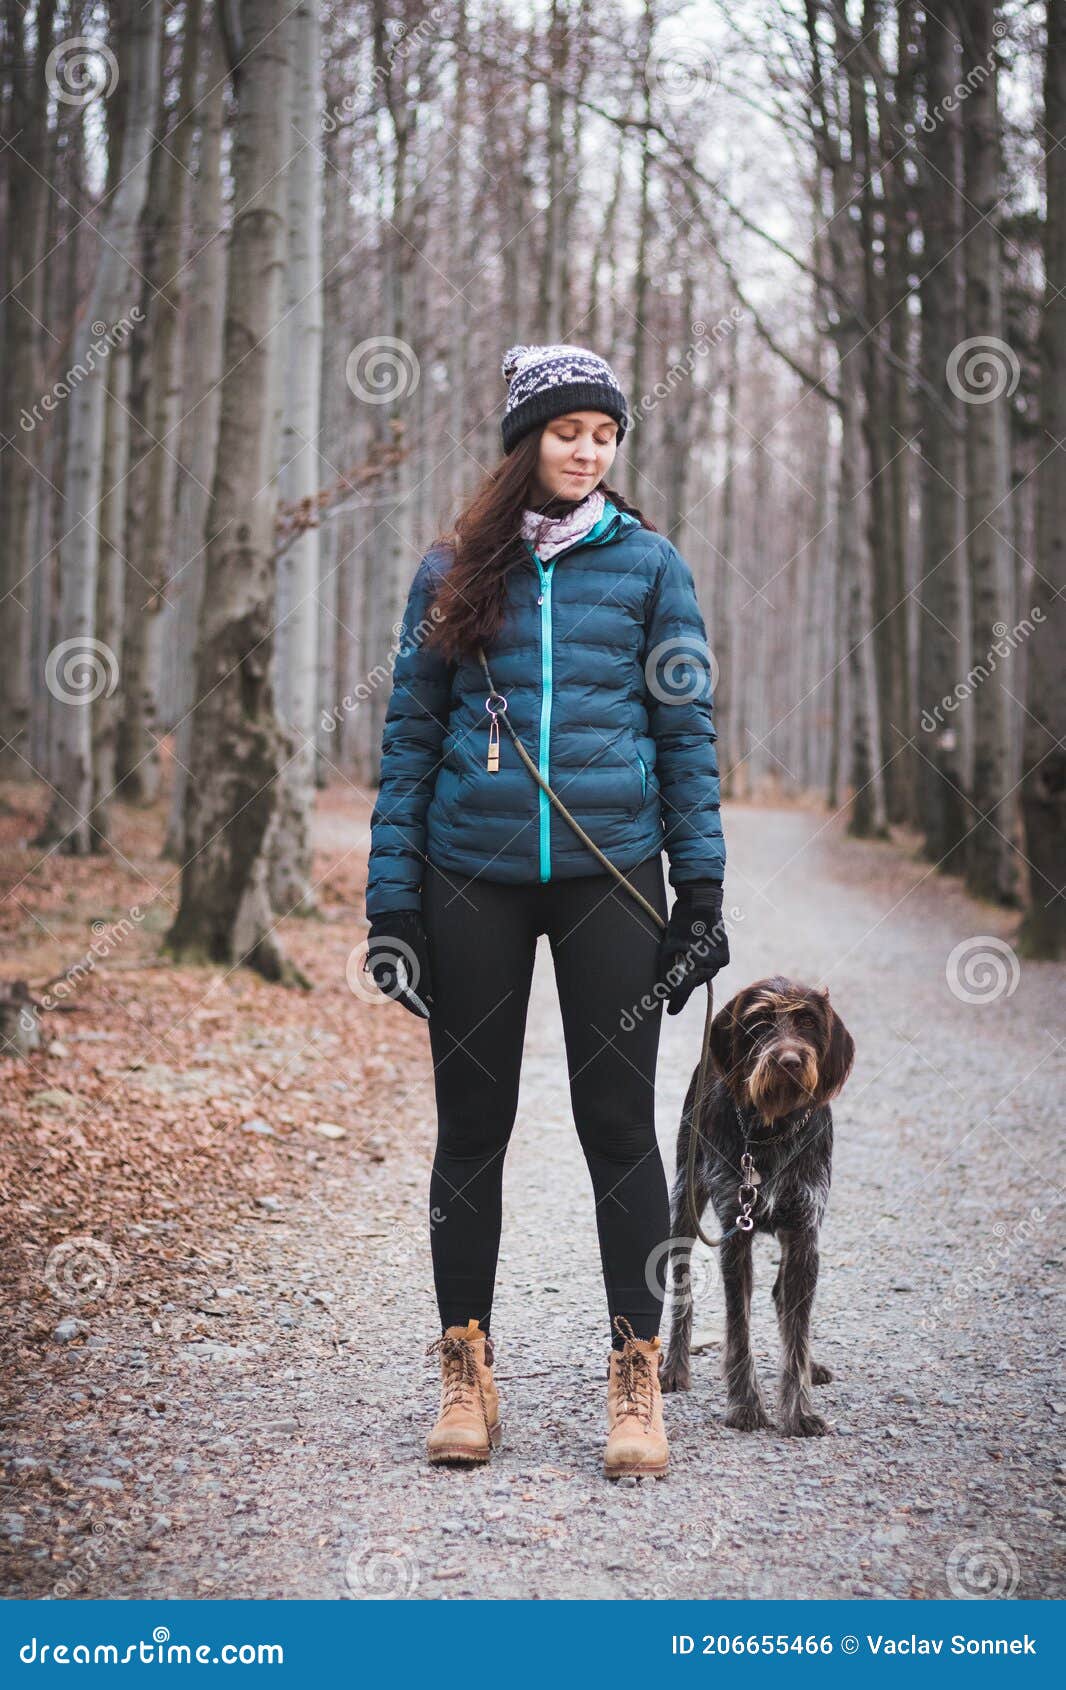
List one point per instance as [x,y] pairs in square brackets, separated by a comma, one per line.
[590,625]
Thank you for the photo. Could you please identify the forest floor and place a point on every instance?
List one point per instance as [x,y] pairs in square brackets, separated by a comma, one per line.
[216,1290]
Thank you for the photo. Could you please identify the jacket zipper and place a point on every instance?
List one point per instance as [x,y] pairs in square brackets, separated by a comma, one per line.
[545,602]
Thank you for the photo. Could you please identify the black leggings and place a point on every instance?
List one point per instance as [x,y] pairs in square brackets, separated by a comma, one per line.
[482,938]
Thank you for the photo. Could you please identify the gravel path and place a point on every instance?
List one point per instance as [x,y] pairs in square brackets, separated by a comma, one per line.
[284,1458]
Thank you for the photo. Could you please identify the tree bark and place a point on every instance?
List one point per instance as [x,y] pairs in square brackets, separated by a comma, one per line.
[139,761]
[1043,931]
[990,873]
[201,403]
[298,585]
[78,668]
[225,915]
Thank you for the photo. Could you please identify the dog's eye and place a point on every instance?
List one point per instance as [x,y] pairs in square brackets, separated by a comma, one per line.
[757,1029]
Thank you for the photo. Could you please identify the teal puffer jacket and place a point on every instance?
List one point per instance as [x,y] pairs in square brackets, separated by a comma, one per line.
[602,656]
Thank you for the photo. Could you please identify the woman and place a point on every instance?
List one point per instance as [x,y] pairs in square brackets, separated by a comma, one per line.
[589,622]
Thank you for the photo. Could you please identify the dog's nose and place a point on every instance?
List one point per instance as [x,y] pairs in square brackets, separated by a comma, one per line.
[789,1059]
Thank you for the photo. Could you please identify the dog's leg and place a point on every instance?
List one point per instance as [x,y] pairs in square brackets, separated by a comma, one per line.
[674,1374]
[745,1408]
[799,1279]
[820,1374]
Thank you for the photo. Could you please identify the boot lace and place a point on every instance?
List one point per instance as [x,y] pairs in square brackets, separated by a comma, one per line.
[634,1375]
[460,1371]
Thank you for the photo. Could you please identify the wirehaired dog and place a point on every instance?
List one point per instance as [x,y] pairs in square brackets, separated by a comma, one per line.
[781,1053]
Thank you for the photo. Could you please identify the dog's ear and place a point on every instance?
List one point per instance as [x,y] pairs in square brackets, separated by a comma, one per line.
[835,1065]
[725,1045]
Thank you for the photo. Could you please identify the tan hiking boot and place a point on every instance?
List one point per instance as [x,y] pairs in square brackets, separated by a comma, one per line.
[468,1426]
[636,1436]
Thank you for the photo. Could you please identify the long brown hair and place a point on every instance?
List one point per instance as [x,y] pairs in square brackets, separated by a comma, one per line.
[485,543]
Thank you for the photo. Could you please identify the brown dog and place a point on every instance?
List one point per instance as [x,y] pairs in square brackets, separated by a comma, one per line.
[781,1053]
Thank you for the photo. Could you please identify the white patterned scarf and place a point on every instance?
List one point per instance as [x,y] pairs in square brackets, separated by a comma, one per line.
[550,534]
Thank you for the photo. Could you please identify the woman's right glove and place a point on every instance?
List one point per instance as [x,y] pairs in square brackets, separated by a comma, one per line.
[694,946]
[397,960]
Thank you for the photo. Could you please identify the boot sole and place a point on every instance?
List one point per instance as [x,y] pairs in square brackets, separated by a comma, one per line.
[634,1470]
[463,1454]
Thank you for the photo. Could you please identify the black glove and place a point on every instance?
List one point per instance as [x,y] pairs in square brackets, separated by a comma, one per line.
[397,960]
[694,946]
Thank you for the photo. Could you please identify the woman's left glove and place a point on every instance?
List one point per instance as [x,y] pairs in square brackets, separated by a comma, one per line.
[397,960]
[694,946]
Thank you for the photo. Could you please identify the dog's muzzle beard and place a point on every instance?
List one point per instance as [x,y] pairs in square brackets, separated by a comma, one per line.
[782,1078]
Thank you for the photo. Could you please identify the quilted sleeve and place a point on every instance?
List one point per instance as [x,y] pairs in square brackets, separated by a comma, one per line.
[679,696]
[416,721]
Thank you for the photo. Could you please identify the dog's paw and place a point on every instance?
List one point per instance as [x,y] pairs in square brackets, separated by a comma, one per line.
[820,1374]
[674,1379]
[748,1417]
[805,1426]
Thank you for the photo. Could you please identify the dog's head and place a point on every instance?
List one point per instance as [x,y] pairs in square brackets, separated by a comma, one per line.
[781,1046]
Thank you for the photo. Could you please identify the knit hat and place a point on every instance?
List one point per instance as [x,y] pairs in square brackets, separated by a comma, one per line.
[548,381]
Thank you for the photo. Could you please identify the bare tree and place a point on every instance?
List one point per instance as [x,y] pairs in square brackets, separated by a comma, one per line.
[72,825]
[1044,783]
[224,914]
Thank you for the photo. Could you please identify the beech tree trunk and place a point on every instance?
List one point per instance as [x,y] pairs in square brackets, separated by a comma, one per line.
[1044,778]
[290,844]
[990,873]
[78,668]
[225,915]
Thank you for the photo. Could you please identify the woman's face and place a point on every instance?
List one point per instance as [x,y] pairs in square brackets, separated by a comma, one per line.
[576,451]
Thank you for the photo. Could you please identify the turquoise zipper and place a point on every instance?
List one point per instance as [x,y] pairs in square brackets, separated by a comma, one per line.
[545,602]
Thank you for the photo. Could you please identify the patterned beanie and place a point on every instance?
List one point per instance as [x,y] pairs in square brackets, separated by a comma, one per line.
[548,381]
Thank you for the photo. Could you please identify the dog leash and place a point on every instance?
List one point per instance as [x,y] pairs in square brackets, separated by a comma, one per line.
[496,705]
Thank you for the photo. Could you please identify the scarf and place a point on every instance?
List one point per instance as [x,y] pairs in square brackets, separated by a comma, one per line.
[550,534]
